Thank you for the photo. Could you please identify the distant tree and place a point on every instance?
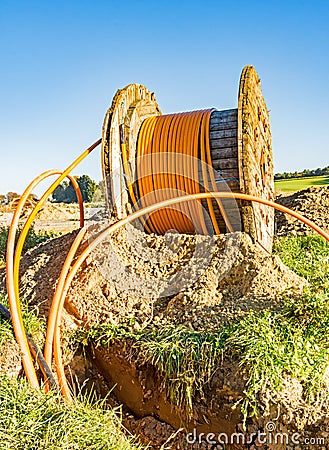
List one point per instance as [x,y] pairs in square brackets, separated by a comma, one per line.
[65,192]
[59,193]
[99,193]
[88,187]
[305,173]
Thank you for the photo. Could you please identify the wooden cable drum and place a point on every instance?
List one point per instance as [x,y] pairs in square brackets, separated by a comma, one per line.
[142,149]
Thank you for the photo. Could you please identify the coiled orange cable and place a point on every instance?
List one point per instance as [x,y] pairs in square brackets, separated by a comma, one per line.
[164,143]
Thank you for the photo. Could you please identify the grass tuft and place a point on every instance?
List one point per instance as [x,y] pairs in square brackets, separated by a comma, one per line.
[308,256]
[33,324]
[32,420]
[186,359]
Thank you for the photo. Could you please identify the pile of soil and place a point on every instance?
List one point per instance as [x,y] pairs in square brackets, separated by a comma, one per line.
[137,279]
[52,212]
[312,203]
[10,360]
[59,217]
[143,280]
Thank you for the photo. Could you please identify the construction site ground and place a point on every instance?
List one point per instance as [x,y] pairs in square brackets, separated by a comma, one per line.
[139,281]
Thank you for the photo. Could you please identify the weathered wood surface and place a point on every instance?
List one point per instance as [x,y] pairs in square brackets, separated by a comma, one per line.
[255,158]
[130,106]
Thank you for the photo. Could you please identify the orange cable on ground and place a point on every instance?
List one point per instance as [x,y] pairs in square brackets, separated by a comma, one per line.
[48,348]
[13,257]
[146,210]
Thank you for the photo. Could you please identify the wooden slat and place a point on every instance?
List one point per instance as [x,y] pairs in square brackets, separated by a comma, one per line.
[223,125]
[227,163]
[224,142]
[226,152]
[232,132]
[222,116]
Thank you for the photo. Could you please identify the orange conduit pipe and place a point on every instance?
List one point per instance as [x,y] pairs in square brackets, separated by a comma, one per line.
[136,215]
[13,258]
[15,310]
[161,138]
[56,312]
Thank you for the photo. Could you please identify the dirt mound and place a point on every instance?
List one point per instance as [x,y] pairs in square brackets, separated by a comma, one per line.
[137,279]
[60,211]
[312,203]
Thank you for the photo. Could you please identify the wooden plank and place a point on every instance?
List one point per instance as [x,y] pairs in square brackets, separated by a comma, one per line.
[225,133]
[228,173]
[220,116]
[223,126]
[227,152]
[226,163]
[225,142]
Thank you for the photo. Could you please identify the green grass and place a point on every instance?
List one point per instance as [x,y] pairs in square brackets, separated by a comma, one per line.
[308,256]
[33,420]
[270,345]
[297,184]
[33,324]
[186,359]
[33,238]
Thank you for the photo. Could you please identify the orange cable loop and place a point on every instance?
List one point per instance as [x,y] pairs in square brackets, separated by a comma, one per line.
[13,256]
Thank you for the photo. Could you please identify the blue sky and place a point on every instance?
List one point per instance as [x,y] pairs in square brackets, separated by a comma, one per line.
[62,61]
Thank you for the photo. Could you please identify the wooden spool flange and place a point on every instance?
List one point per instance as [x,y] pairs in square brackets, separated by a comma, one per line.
[241,148]
[130,106]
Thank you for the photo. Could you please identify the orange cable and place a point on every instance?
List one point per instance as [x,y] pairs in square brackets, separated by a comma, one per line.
[15,309]
[53,337]
[13,260]
[48,347]
[184,147]
[157,173]
[144,165]
[212,178]
[163,168]
[204,162]
[176,215]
